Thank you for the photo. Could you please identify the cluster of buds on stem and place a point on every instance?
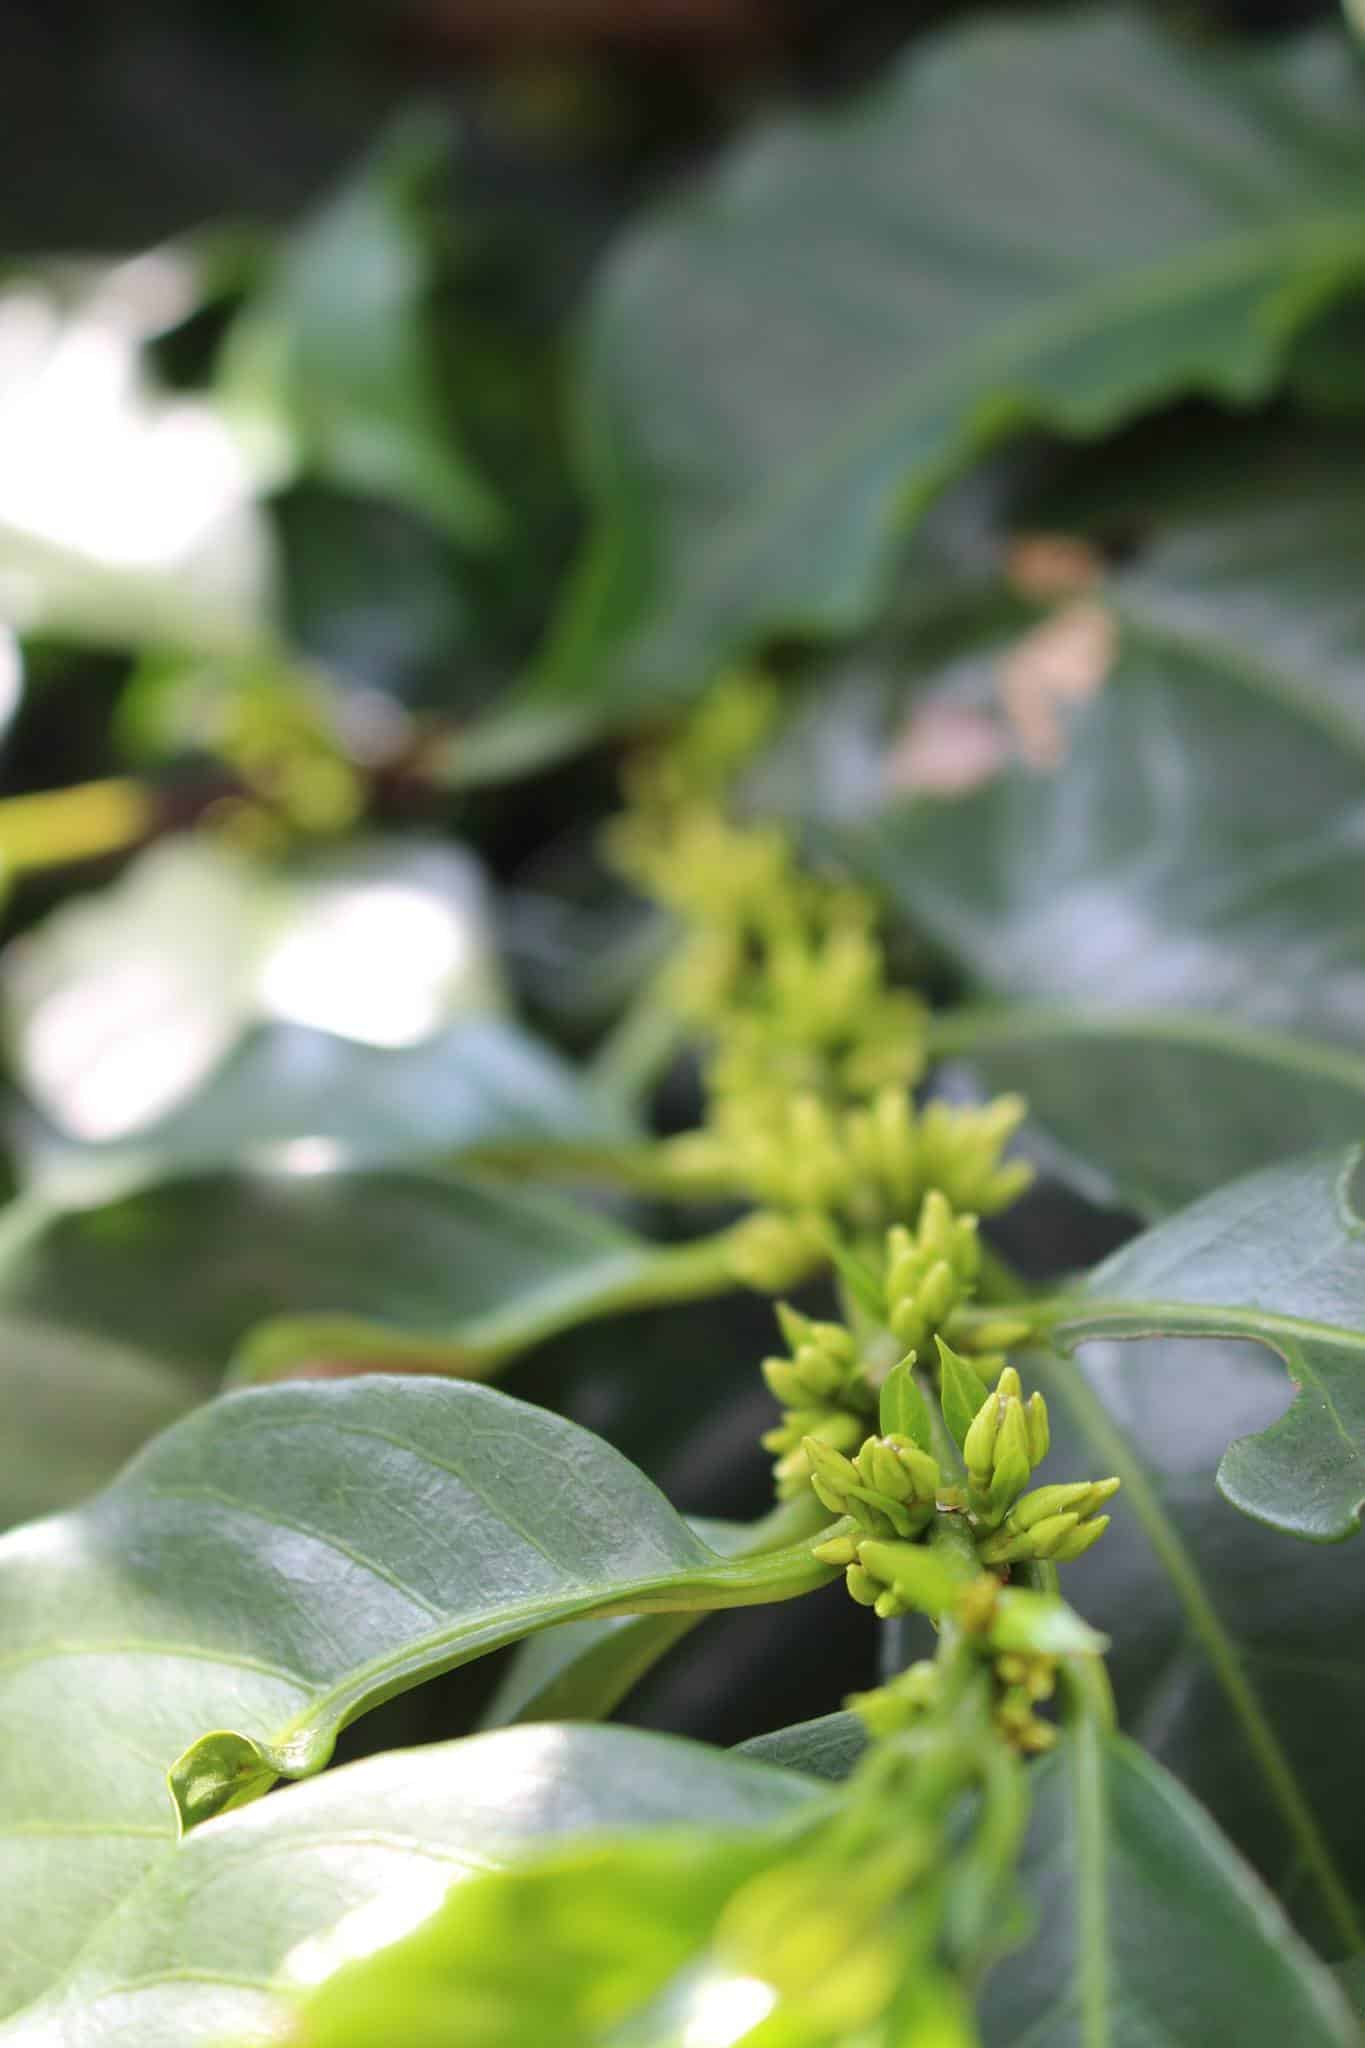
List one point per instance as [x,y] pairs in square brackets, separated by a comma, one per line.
[929,1272]
[825,1398]
[1006,1439]
[889,1488]
[1052,1522]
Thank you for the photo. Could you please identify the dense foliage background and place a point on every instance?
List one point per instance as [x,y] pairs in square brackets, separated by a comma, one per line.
[406,411]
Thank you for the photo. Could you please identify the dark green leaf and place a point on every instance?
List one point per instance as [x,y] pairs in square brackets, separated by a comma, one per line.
[271,1568]
[1058,223]
[1218,1099]
[827,1748]
[339,1270]
[1151,1929]
[1278,1257]
[1231,1652]
[257,1902]
[291,1099]
[333,366]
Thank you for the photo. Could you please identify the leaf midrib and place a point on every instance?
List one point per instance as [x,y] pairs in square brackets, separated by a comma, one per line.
[1221,1649]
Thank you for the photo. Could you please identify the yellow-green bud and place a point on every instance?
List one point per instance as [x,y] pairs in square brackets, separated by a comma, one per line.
[978,1449]
[1080,1539]
[1039,1429]
[1012,1467]
[837,1550]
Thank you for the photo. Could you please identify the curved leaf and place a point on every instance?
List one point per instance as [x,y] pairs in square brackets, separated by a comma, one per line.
[271,1568]
[1052,223]
[826,1748]
[294,1098]
[1218,1100]
[1231,1652]
[333,1272]
[1278,1257]
[1151,1929]
[331,367]
[224,1923]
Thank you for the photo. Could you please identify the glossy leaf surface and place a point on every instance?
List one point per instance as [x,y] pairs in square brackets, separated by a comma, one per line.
[271,1568]
[1151,1929]
[208,1945]
[1030,223]
[1231,1647]
[1278,1257]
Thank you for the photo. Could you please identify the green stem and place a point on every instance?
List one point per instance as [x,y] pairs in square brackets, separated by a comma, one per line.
[1221,1652]
[641,1167]
[640,1047]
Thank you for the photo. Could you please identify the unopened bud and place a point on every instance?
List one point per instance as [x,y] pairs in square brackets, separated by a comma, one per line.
[1080,1540]
[1039,1429]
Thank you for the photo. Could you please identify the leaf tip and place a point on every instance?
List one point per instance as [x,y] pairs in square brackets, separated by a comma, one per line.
[216,1773]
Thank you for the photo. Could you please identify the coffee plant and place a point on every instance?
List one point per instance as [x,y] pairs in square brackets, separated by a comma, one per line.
[845,1011]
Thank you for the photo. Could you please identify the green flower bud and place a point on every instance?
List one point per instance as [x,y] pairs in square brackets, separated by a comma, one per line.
[978,1447]
[1080,1539]
[1012,1467]
[862,1586]
[1039,1429]
[837,1550]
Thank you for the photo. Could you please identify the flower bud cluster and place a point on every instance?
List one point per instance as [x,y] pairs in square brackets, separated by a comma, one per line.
[1056,1523]
[929,1272]
[1005,1440]
[1023,1682]
[890,1488]
[825,1398]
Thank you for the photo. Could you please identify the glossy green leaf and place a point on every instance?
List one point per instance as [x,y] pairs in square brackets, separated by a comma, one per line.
[1150,1927]
[1278,1257]
[266,1572]
[331,1272]
[75,1406]
[825,1748]
[207,1947]
[1218,1100]
[1231,1650]
[1057,222]
[332,367]
[290,1099]
[1178,889]
[581,1670]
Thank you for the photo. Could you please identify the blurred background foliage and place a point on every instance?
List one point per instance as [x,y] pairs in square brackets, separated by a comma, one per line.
[318,365]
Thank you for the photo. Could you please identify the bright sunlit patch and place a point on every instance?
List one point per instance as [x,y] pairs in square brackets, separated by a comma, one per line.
[11,675]
[722,2010]
[117,499]
[302,1156]
[398,1911]
[379,962]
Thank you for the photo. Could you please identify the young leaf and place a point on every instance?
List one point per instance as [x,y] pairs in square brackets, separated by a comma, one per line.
[1279,1258]
[903,1410]
[962,1391]
[1150,1927]
[1039,252]
[252,1906]
[270,1569]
